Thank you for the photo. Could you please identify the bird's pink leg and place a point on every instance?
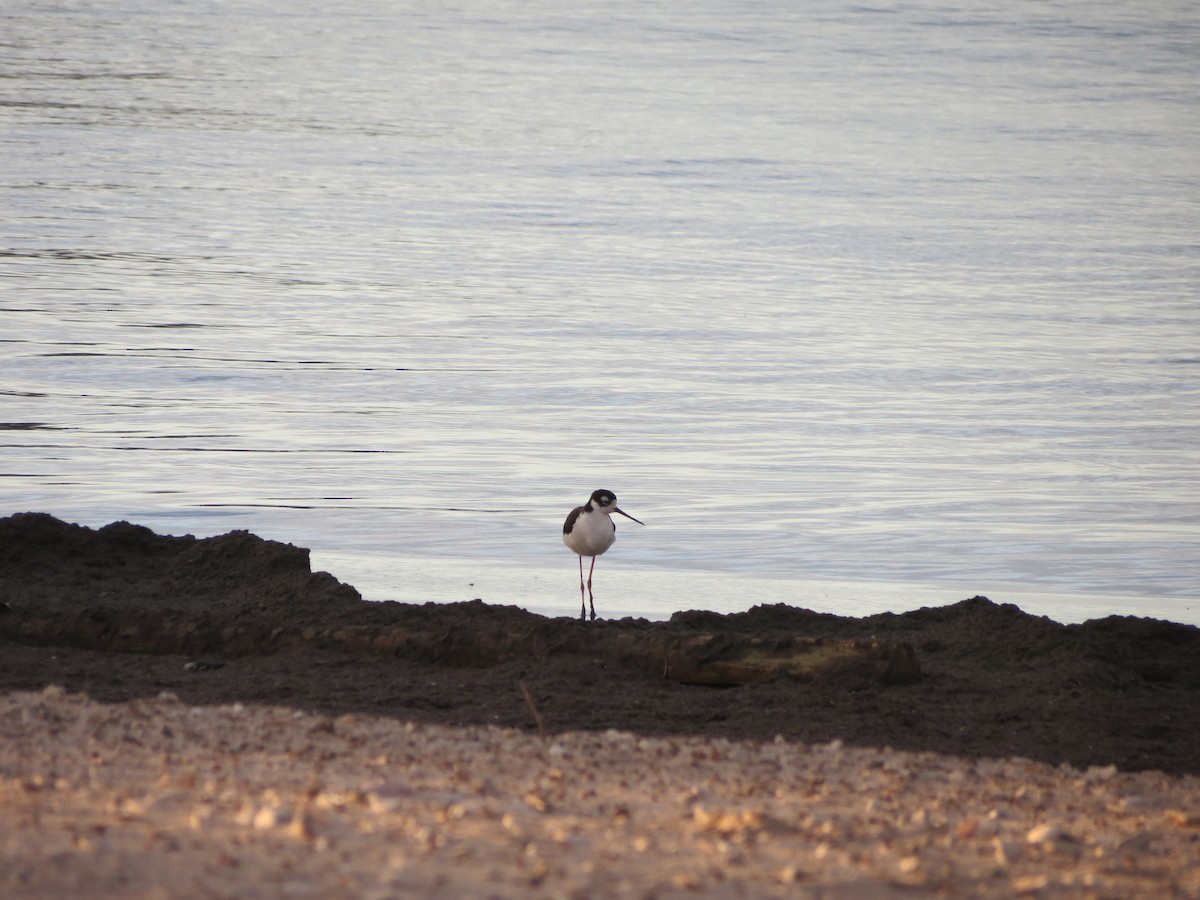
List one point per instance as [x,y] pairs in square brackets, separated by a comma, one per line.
[591,599]
[582,608]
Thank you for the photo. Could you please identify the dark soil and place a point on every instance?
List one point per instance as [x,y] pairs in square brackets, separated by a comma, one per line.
[121,612]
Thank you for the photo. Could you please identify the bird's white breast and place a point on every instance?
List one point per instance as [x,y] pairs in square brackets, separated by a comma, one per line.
[591,535]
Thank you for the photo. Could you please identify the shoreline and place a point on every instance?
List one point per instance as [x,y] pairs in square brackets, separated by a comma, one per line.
[546,589]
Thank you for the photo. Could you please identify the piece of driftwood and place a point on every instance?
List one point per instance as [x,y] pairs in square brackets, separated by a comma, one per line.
[719,659]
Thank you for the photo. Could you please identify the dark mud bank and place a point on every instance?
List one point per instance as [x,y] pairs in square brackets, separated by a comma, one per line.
[120,612]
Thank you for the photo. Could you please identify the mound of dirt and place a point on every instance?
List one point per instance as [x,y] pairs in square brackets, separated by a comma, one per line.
[123,613]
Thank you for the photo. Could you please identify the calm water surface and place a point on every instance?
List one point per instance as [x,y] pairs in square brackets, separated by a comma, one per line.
[857,306]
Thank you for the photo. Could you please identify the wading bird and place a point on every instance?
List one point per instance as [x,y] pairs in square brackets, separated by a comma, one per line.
[589,531]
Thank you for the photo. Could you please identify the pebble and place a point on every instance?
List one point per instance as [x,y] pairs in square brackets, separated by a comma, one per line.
[267,818]
[1043,834]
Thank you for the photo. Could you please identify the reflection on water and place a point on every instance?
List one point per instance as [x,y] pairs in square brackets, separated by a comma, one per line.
[827,294]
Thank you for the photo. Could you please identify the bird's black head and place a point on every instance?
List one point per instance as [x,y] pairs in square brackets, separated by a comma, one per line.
[604,498]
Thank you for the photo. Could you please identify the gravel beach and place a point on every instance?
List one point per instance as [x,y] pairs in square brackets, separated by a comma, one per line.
[156,798]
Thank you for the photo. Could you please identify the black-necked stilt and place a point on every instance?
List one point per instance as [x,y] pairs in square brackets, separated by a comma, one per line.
[589,531]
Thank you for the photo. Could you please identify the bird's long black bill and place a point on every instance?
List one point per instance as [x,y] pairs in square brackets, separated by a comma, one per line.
[627,515]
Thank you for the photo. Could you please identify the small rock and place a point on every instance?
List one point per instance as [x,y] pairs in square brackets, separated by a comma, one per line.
[267,818]
[302,826]
[203,665]
[1181,819]
[1007,852]
[510,824]
[536,801]
[726,824]
[685,881]
[389,797]
[1100,773]
[1046,834]
[1029,884]
[1136,844]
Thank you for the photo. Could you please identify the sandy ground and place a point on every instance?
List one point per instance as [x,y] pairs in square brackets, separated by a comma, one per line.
[157,798]
[191,718]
